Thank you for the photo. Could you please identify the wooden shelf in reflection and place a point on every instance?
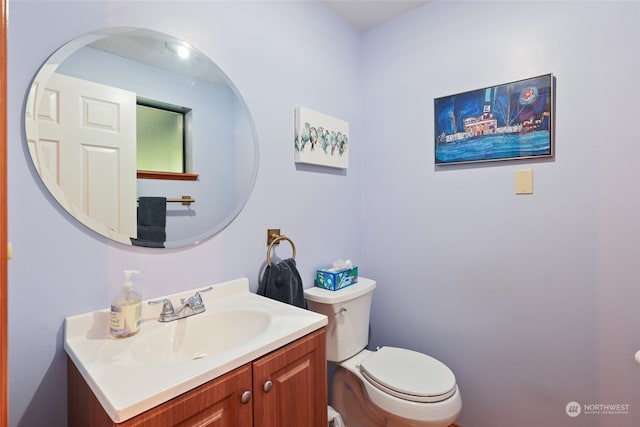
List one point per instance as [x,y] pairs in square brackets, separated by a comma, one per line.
[175,176]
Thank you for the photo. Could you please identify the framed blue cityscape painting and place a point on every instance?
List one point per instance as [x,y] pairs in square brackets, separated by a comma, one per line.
[508,121]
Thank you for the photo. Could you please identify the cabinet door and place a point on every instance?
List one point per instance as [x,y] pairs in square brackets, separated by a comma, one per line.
[290,385]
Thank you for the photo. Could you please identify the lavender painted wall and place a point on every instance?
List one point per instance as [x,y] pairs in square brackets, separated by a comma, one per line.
[531,300]
[280,55]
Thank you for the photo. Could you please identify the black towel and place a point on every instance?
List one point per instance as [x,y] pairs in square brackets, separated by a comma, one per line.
[152,221]
[152,211]
[281,281]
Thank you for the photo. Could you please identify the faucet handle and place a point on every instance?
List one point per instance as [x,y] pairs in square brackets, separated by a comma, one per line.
[167,307]
[196,299]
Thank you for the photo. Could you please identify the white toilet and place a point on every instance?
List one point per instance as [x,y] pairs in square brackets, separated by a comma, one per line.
[387,387]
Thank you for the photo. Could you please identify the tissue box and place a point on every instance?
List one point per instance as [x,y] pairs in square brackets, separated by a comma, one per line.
[334,280]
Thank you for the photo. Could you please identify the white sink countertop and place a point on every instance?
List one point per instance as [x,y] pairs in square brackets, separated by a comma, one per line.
[132,375]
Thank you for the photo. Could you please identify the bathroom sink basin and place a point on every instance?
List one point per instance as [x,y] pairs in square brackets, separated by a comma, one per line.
[199,336]
[166,359]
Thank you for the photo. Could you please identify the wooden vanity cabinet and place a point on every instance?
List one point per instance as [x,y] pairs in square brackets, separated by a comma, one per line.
[288,386]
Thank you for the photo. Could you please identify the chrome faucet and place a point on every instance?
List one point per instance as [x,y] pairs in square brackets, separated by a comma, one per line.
[190,306]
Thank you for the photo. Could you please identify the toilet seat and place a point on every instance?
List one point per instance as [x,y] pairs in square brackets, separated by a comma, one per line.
[409,375]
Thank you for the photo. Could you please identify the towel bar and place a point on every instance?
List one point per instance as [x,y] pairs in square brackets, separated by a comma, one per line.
[275,241]
[185,200]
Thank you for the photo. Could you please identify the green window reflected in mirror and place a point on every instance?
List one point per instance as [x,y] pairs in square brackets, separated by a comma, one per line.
[160,139]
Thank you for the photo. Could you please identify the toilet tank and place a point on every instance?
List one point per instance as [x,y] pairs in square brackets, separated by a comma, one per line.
[348,312]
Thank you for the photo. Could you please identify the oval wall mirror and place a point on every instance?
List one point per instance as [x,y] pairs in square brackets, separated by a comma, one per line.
[168,178]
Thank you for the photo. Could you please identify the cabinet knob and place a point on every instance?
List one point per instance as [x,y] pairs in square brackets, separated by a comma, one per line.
[267,386]
[246,397]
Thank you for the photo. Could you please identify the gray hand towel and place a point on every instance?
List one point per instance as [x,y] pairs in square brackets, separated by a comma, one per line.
[152,211]
[152,221]
[281,281]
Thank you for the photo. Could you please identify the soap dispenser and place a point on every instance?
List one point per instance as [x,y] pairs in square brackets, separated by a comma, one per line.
[126,309]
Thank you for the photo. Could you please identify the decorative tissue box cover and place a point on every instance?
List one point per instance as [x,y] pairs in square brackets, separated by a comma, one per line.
[334,280]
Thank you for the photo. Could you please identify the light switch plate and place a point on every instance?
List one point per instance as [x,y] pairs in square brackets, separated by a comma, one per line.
[524,181]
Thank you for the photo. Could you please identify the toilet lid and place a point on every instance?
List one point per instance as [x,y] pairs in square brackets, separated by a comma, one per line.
[409,375]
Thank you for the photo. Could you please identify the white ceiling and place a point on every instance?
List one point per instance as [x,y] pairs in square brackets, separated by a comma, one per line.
[366,14]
